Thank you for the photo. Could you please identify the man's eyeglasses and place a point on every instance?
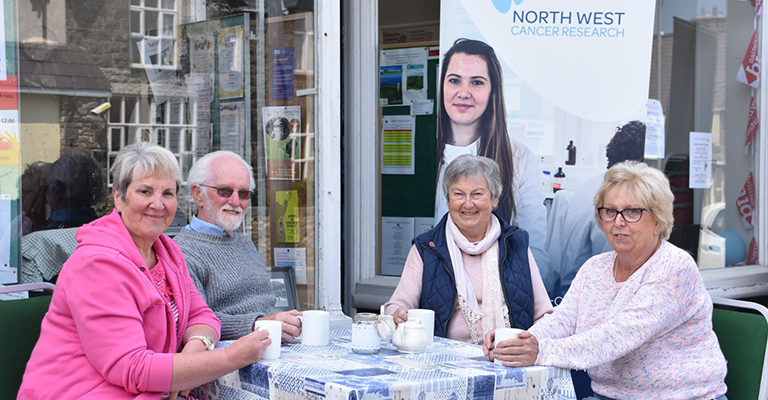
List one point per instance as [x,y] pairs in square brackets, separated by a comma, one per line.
[226,192]
[631,215]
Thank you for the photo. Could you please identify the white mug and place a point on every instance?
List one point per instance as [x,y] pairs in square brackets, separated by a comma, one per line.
[503,334]
[315,327]
[275,329]
[427,318]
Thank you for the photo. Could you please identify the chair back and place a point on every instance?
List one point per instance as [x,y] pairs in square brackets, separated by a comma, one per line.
[742,330]
[20,330]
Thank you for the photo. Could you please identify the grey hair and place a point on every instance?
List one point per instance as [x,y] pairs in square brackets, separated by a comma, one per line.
[649,186]
[142,160]
[201,171]
[470,165]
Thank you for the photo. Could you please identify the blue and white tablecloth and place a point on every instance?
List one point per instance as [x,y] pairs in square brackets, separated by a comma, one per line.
[447,369]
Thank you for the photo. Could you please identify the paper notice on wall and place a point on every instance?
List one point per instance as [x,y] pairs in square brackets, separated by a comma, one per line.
[233,126]
[654,130]
[396,236]
[201,58]
[199,88]
[700,170]
[398,135]
[422,225]
[295,257]
[402,76]
[422,107]
[231,62]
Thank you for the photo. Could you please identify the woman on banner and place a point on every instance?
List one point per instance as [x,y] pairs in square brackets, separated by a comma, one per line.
[472,120]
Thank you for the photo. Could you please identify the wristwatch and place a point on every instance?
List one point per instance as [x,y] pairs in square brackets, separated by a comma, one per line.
[205,339]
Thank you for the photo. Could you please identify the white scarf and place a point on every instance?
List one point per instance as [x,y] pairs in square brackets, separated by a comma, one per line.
[493,305]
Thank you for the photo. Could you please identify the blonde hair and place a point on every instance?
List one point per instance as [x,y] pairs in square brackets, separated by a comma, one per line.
[649,186]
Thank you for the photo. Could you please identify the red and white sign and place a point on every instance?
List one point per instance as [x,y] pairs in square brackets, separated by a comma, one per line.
[758,6]
[746,202]
[749,71]
[752,252]
[753,125]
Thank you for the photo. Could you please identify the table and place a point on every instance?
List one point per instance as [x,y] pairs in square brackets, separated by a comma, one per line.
[447,369]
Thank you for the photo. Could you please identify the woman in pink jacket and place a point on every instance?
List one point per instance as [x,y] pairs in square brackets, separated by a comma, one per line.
[126,321]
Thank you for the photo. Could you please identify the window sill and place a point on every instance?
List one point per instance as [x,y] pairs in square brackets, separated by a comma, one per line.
[732,283]
[736,282]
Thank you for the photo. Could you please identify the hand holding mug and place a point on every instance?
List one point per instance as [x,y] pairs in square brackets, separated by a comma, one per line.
[291,325]
[511,347]
[249,348]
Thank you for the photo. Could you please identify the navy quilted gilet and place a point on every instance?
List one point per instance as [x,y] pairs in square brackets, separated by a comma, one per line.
[438,287]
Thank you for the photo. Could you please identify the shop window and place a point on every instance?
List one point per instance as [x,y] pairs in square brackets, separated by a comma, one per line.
[130,122]
[153,25]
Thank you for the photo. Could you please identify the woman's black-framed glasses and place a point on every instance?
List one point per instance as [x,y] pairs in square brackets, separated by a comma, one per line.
[630,215]
[226,192]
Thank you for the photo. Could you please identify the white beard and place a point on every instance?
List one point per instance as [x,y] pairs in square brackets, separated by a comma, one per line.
[225,221]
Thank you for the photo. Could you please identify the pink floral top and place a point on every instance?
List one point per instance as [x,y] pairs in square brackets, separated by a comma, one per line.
[648,337]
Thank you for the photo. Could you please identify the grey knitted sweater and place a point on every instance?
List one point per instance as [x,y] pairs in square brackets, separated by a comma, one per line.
[232,277]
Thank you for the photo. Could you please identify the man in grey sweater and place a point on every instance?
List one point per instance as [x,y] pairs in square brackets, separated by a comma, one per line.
[225,266]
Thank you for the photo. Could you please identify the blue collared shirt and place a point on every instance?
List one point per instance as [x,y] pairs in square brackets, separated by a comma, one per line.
[198,225]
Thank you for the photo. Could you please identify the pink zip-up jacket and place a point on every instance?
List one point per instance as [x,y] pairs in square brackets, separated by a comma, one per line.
[109,333]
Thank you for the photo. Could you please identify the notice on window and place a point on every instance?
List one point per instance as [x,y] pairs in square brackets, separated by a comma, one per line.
[396,237]
[282,130]
[154,54]
[422,225]
[398,135]
[7,274]
[402,76]
[10,153]
[199,87]
[422,107]
[233,126]
[282,73]
[295,257]
[231,63]
[701,160]
[202,58]
[654,130]
[287,211]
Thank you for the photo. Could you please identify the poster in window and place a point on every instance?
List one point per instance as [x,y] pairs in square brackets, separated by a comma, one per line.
[231,62]
[287,211]
[282,73]
[201,57]
[282,130]
[403,76]
[233,126]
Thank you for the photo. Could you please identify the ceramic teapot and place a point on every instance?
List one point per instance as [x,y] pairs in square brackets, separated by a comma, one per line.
[385,326]
[410,336]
